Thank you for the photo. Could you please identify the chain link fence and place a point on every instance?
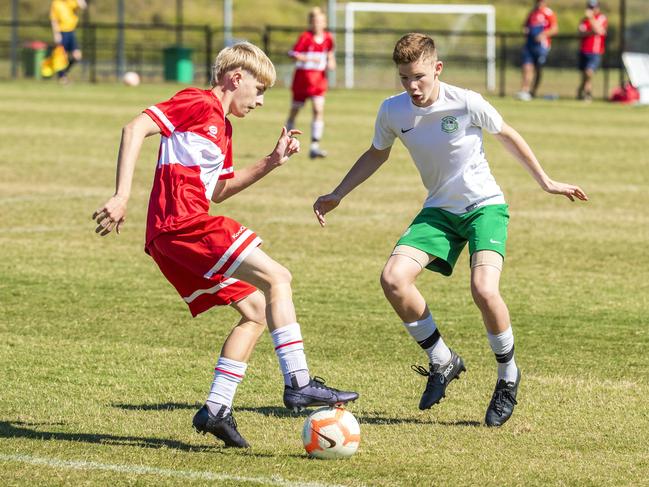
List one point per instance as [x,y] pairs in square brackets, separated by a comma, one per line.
[462,51]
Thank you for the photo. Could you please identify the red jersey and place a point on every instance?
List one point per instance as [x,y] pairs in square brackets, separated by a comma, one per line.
[311,75]
[592,43]
[195,152]
[540,20]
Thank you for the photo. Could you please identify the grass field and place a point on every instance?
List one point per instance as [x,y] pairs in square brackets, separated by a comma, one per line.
[103,368]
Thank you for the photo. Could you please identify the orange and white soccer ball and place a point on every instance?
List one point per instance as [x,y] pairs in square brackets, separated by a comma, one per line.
[331,433]
[131,78]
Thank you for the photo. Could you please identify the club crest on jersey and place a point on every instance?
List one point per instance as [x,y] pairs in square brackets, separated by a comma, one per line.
[212,130]
[449,124]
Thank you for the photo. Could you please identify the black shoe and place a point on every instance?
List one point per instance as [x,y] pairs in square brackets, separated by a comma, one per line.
[224,428]
[315,393]
[502,402]
[439,378]
[317,154]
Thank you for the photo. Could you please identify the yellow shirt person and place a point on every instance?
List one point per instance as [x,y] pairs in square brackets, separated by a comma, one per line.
[64,15]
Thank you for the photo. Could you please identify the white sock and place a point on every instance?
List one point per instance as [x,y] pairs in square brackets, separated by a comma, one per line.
[228,374]
[317,129]
[503,347]
[427,335]
[289,348]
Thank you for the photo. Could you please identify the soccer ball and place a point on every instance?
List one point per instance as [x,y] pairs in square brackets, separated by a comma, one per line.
[331,433]
[131,78]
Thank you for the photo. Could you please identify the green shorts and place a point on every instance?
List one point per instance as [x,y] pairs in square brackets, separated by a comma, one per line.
[443,234]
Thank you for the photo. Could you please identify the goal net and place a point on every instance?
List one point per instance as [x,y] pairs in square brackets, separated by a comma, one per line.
[636,35]
[465,36]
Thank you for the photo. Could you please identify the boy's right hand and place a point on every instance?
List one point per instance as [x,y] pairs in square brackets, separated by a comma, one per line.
[324,204]
[111,215]
[287,145]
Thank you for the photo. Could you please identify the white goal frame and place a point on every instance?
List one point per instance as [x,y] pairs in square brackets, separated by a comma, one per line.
[488,10]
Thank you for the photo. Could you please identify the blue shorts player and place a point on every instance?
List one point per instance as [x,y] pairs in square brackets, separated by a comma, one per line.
[593,29]
[540,26]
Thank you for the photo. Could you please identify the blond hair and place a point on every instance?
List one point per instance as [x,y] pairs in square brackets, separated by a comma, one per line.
[246,56]
[315,12]
[413,47]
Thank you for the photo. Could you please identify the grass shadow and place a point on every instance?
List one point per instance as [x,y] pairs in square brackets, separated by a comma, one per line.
[165,406]
[277,412]
[363,418]
[281,412]
[461,422]
[19,430]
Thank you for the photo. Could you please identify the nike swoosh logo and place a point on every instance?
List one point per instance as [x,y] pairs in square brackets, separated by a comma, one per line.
[331,442]
[494,241]
[403,131]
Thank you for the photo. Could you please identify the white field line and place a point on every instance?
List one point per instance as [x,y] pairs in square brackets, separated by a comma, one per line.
[43,229]
[61,228]
[42,194]
[144,470]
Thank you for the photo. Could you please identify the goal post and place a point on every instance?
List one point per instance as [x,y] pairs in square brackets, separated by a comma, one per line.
[637,67]
[404,8]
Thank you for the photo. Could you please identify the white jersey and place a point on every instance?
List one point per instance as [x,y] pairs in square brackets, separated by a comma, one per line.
[445,142]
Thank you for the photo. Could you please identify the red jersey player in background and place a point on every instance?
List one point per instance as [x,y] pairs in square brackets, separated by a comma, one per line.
[592,29]
[214,260]
[540,26]
[314,55]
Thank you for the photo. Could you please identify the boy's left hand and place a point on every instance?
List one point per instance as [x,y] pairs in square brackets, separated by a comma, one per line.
[570,191]
[287,145]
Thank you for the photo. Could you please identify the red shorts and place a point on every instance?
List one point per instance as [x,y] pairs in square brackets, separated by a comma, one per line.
[199,260]
[308,83]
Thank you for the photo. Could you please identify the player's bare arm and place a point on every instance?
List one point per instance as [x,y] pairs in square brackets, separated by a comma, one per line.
[56,32]
[552,31]
[595,24]
[112,214]
[298,56]
[286,146]
[519,148]
[331,61]
[365,166]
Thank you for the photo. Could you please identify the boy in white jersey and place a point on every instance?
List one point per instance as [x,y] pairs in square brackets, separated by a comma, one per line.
[214,260]
[441,126]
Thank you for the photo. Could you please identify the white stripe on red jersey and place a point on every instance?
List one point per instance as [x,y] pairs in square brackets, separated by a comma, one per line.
[189,149]
[316,52]
[211,290]
[195,152]
[162,117]
[316,61]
